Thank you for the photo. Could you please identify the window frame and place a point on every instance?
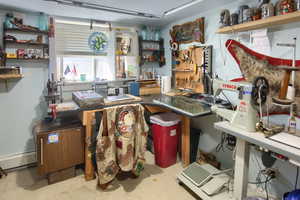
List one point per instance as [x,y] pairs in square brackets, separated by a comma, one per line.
[111,58]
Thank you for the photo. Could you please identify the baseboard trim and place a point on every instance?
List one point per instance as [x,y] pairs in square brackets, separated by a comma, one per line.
[17,160]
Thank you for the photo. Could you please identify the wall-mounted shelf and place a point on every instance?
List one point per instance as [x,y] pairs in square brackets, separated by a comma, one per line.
[156,54]
[177,70]
[28,59]
[26,31]
[10,73]
[18,49]
[25,43]
[262,23]
[152,50]
[10,76]
[151,41]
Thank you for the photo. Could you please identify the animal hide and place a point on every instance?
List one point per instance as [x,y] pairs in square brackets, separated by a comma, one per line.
[253,64]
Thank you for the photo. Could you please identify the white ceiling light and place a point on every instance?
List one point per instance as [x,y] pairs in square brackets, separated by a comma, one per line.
[173,10]
[103,8]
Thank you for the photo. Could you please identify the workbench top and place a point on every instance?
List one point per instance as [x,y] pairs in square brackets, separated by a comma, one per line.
[181,105]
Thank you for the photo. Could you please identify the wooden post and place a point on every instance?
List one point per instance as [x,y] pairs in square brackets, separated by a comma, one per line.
[185,140]
[89,168]
[285,84]
[241,169]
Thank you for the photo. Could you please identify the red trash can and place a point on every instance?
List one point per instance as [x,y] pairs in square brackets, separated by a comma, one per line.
[166,132]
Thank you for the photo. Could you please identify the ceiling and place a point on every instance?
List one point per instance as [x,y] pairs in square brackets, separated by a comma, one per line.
[155,7]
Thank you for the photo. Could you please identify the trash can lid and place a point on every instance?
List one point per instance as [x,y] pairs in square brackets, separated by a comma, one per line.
[165,119]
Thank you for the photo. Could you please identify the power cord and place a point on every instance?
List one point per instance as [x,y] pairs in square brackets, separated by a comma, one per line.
[265,183]
[297,177]
[267,176]
[227,141]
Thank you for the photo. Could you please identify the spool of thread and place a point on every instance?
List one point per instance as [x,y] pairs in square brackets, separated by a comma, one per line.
[291,92]
[165,84]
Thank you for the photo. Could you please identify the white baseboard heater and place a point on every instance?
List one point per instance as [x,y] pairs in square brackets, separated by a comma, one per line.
[17,160]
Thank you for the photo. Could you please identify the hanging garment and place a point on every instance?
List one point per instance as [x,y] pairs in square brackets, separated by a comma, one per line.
[121,142]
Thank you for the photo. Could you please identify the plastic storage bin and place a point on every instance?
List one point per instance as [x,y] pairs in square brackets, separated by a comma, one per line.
[134,88]
[166,131]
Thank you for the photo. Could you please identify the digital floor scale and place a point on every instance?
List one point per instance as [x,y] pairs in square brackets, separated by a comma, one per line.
[203,180]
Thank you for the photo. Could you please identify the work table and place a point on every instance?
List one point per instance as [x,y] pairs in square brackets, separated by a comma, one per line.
[185,107]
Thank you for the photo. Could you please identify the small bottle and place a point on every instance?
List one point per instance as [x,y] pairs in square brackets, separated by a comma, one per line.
[292,120]
[8,20]
[43,22]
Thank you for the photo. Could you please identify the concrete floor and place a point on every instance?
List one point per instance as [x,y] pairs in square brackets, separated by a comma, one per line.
[154,183]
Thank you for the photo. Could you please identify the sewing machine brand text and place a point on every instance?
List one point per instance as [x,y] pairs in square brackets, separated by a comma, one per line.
[228,86]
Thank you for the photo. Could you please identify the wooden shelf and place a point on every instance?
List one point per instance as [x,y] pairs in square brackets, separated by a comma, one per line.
[159,52]
[150,61]
[25,43]
[28,59]
[262,23]
[177,70]
[25,31]
[152,41]
[152,50]
[10,76]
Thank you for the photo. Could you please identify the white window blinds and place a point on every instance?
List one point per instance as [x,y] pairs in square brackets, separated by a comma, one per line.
[72,39]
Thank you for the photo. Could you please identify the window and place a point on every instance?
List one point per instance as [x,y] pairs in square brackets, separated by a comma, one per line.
[76,62]
[103,71]
[78,69]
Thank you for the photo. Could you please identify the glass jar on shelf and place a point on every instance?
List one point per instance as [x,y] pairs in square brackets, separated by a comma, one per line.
[43,22]
[157,35]
[144,33]
[8,21]
[285,6]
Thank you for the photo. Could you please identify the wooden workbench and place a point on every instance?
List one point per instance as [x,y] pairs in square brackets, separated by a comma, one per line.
[88,120]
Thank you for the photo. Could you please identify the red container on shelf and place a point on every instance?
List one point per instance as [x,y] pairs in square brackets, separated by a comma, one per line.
[166,132]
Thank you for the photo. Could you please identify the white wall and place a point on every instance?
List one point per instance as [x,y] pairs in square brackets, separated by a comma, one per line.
[226,68]
[22,104]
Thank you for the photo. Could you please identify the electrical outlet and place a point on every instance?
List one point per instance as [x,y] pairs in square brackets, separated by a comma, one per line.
[271,172]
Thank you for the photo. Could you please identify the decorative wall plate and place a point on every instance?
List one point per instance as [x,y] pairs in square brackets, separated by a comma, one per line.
[98,42]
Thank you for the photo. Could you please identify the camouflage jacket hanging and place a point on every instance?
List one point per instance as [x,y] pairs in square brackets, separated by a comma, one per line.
[121,142]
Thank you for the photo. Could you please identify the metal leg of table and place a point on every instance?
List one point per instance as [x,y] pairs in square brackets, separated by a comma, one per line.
[241,169]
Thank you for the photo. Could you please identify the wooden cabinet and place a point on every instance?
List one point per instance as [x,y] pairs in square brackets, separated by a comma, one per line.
[59,148]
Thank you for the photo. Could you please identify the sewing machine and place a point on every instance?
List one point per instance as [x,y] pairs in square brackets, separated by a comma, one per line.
[249,95]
